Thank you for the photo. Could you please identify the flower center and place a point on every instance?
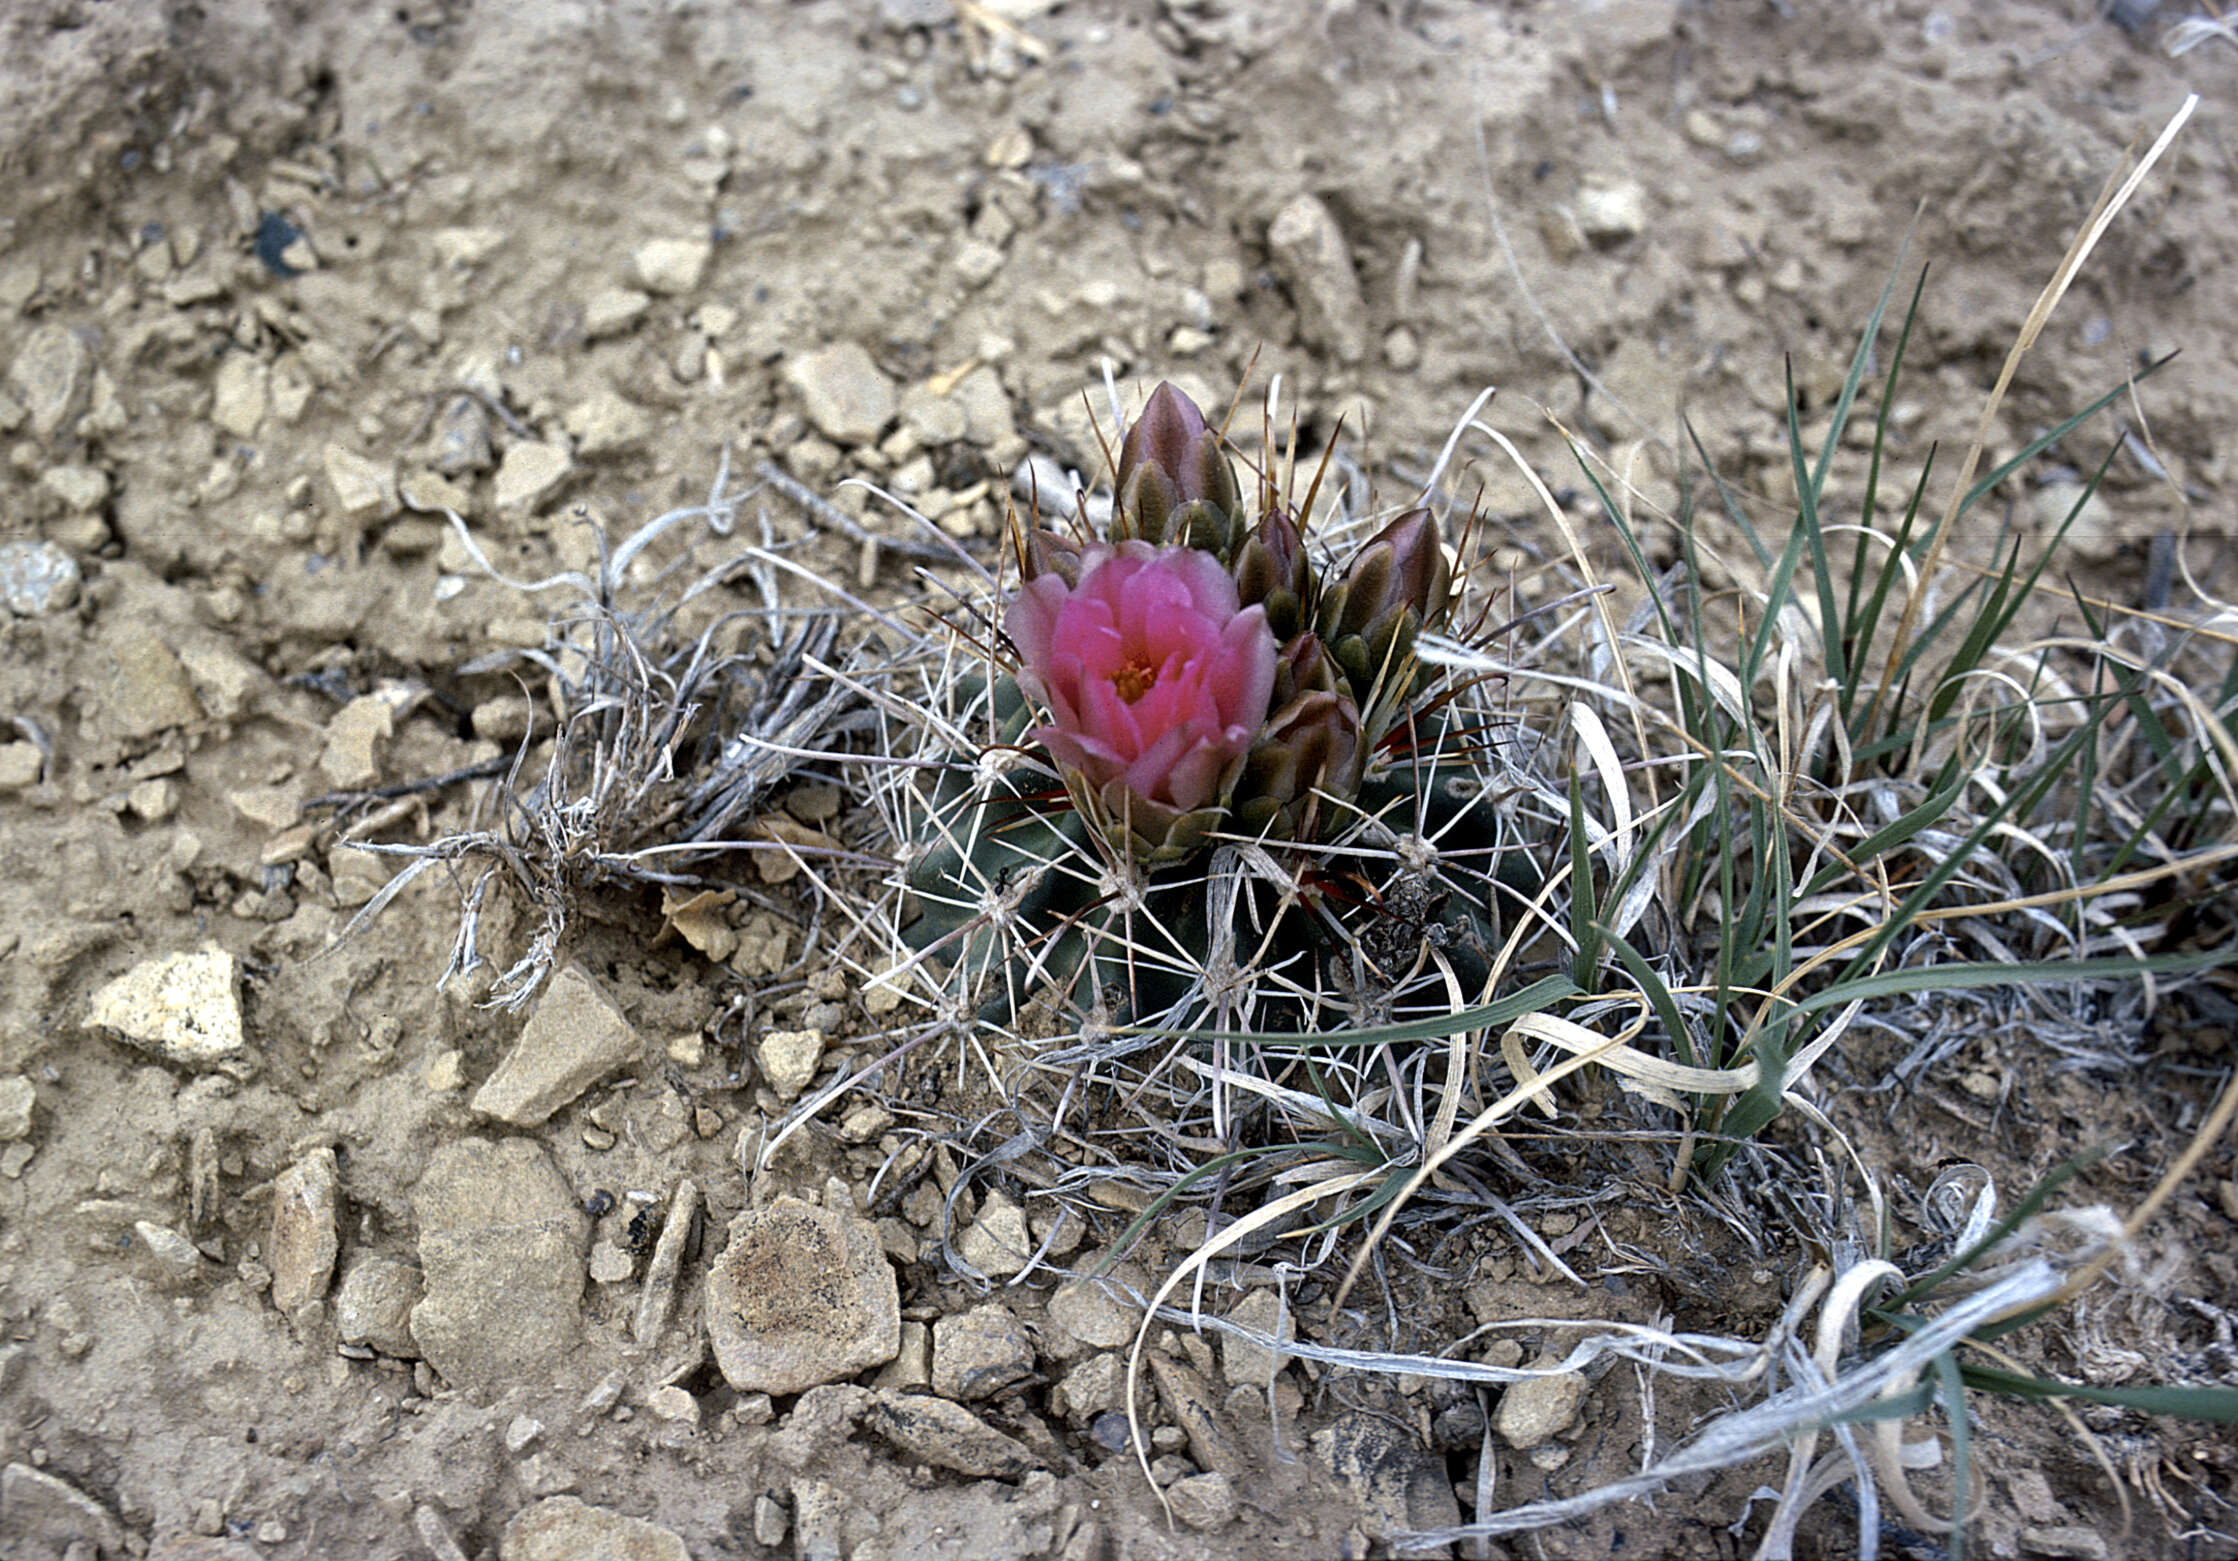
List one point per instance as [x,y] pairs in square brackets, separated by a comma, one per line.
[1135,679]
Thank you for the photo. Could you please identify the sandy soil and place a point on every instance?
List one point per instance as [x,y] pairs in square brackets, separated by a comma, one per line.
[277,280]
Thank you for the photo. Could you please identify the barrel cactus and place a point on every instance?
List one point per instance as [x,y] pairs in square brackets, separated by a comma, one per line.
[1211,780]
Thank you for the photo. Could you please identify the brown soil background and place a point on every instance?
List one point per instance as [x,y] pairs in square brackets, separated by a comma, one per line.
[472,177]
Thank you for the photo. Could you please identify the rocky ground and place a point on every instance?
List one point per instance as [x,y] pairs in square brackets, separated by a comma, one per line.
[302,1256]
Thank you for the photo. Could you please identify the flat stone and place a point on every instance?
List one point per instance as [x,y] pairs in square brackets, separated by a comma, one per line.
[184,1007]
[1310,251]
[36,1506]
[657,1302]
[363,489]
[845,394]
[670,265]
[149,690]
[788,1060]
[1242,1362]
[935,420]
[801,1296]
[21,765]
[1535,1410]
[977,1354]
[51,373]
[1610,213]
[466,246]
[561,1528]
[1204,1502]
[374,1305]
[604,424]
[37,578]
[575,1037]
[528,473]
[997,1243]
[501,1246]
[357,739]
[948,1436]
[17,1097]
[83,488]
[612,310]
[241,395]
[1399,1485]
[304,1241]
[1189,1402]
[1093,1315]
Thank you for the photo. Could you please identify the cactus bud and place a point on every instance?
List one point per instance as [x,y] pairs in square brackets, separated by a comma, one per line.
[1174,484]
[1397,585]
[1272,570]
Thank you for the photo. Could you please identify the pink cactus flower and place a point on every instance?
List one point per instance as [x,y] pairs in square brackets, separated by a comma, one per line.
[1156,681]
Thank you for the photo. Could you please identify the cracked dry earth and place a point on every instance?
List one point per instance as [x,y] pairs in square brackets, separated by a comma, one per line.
[301,1257]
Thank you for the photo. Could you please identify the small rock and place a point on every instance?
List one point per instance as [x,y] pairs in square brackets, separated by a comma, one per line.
[788,1060]
[17,1097]
[149,690]
[304,1243]
[673,1404]
[820,1511]
[50,373]
[82,488]
[364,490]
[242,392]
[2065,1539]
[520,1431]
[611,1263]
[1189,1402]
[1608,214]
[613,310]
[185,1007]
[465,246]
[461,441]
[37,578]
[501,1246]
[1535,1410]
[1092,1314]
[37,1506]
[976,262]
[771,1520]
[21,765]
[911,1366]
[175,1259]
[865,1124]
[998,1243]
[1204,1502]
[604,424]
[1400,1487]
[801,1296]
[1242,1362]
[561,1528]
[935,420]
[658,1301]
[530,471]
[671,265]
[1401,349]
[356,740]
[575,1037]
[948,1436]
[2094,535]
[1094,1386]
[845,394]
[1310,250]
[977,1354]
[374,1306]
